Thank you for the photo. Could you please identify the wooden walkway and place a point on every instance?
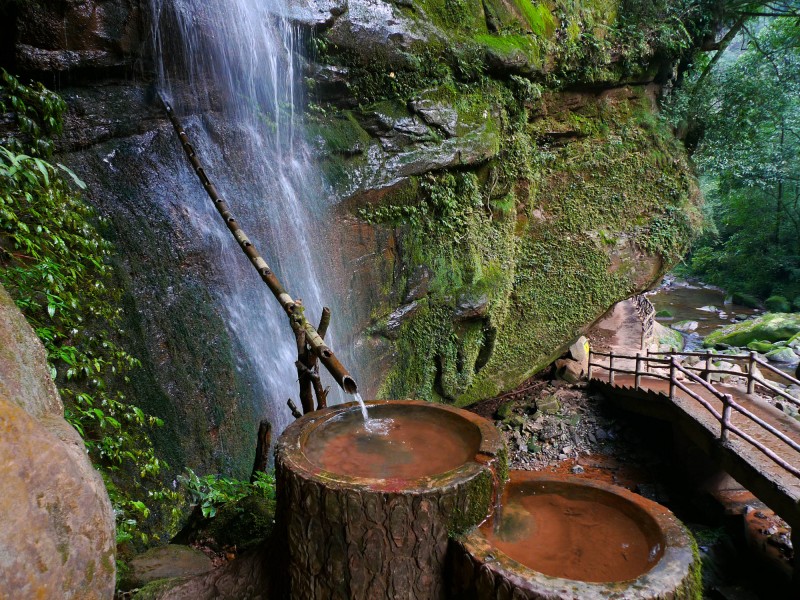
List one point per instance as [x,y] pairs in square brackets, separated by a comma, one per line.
[754,442]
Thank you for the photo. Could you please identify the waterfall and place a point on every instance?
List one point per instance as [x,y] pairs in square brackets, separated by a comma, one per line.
[228,68]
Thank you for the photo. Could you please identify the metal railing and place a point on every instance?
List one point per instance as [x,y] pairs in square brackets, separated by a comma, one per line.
[649,366]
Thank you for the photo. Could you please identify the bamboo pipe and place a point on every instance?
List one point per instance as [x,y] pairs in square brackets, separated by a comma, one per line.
[293,310]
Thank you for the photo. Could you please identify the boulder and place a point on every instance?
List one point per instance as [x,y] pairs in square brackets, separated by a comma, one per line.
[569,370]
[771,327]
[667,338]
[579,351]
[685,326]
[760,346]
[165,562]
[784,356]
[548,405]
[57,534]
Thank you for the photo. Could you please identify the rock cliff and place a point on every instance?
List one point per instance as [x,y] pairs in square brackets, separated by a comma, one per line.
[497,176]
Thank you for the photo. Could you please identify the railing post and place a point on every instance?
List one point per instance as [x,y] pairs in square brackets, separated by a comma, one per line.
[611,368]
[751,378]
[727,399]
[638,370]
[673,367]
[589,370]
[707,372]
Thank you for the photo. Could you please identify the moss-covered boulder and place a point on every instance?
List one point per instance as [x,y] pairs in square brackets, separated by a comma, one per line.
[771,327]
[783,355]
[454,152]
[777,304]
[761,346]
[667,339]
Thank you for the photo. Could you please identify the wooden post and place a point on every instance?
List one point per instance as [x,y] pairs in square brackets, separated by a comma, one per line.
[611,368]
[727,399]
[589,373]
[673,367]
[707,373]
[751,378]
[262,449]
[638,371]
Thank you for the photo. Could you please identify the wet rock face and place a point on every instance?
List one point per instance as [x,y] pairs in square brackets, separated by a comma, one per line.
[57,534]
[63,35]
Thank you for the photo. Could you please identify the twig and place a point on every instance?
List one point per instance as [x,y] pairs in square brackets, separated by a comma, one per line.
[293,407]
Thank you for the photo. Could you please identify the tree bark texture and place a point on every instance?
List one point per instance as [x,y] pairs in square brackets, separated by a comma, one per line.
[264,441]
[350,539]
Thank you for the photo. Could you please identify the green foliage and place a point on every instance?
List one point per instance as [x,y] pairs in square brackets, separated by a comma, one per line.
[777,304]
[744,119]
[213,491]
[54,262]
[37,112]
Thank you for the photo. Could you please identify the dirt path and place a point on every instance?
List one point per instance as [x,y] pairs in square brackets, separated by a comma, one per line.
[620,330]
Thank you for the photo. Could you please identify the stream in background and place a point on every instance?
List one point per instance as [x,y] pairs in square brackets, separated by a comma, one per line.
[695,301]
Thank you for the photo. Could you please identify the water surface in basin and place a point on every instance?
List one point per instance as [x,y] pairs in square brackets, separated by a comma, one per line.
[574,532]
[398,442]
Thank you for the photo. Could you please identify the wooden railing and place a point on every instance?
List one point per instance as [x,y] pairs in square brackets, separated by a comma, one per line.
[750,370]
[667,369]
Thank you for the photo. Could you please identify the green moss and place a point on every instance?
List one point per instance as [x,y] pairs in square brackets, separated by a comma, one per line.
[157,589]
[340,133]
[480,497]
[532,235]
[538,17]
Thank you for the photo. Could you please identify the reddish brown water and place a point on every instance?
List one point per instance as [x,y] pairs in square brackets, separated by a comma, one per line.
[574,532]
[399,442]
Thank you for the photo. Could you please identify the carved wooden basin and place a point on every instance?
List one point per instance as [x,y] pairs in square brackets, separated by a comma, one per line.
[367,514]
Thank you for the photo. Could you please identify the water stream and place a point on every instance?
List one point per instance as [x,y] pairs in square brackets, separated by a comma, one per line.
[228,69]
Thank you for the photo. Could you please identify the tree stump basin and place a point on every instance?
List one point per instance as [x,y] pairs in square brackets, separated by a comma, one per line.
[560,537]
[367,511]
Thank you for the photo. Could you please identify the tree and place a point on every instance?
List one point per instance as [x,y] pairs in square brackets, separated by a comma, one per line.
[748,112]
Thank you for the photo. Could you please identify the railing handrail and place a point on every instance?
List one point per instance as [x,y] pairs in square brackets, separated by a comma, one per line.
[728,403]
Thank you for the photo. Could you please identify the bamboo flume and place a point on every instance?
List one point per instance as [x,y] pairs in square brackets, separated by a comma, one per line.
[294,310]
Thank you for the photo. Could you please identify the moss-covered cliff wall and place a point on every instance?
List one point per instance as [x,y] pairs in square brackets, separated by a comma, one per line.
[502,177]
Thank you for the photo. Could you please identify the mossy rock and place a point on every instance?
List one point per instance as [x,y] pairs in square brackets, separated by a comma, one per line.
[783,355]
[667,338]
[771,327]
[664,314]
[242,524]
[778,304]
[743,299]
[761,346]
[156,590]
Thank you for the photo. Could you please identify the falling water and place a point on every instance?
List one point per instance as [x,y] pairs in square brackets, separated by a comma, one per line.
[363,406]
[228,69]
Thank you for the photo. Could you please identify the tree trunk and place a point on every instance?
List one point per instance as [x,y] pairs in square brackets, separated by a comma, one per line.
[353,539]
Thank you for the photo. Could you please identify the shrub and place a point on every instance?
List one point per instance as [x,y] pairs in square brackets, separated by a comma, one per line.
[777,304]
